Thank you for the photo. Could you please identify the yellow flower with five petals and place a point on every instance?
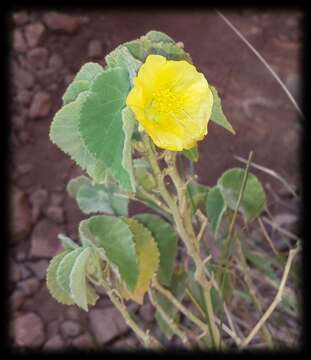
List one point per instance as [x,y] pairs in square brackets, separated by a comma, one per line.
[172,101]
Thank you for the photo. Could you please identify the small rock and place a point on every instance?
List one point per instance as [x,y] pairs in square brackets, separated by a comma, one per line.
[146,311]
[24,96]
[17,299]
[39,268]
[15,273]
[38,57]
[285,220]
[20,18]
[52,328]
[34,33]
[73,313]
[106,324]
[44,241]
[54,343]
[24,168]
[55,213]
[19,43]
[21,78]
[126,343]
[20,256]
[29,286]
[95,49]
[20,215]
[37,200]
[57,21]
[84,341]
[57,199]
[23,136]
[293,82]
[56,62]
[24,271]
[70,329]
[18,121]
[41,105]
[29,330]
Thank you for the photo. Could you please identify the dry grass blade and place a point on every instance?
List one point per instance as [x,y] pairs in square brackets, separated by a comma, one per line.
[274,74]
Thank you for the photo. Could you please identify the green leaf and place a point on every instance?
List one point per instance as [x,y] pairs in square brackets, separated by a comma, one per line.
[178,288]
[116,239]
[142,174]
[81,291]
[192,154]
[54,288]
[101,198]
[215,208]
[75,184]
[158,36]
[254,198]
[67,243]
[64,133]
[101,123]
[74,89]
[166,238]
[123,58]
[218,115]
[197,194]
[65,267]
[82,81]
[170,51]
[129,122]
[148,256]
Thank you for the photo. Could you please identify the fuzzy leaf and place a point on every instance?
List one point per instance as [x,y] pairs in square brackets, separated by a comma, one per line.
[218,115]
[254,198]
[215,208]
[67,243]
[54,288]
[82,81]
[81,292]
[197,194]
[148,257]
[158,36]
[100,121]
[166,239]
[75,184]
[65,134]
[116,239]
[142,174]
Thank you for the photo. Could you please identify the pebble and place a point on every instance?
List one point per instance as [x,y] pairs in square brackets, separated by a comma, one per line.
[19,43]
[55,213]
[29,286]
[84,341]
[106,324]
[38,57]
[56,62]
[23,136]
[24,96]
[62,22]
[22,78]
[126,343]
[34,33]
[24,168]
[54,343]
[40,106]
[20,18]
[70,329]
[38,200]
[20,215]
[44,241]
[57,199]
[21,326]
[17,299]
[39,268]
[95,49]
[15,273]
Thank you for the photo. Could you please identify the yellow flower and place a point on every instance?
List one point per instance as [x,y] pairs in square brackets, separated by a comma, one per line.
[172,101]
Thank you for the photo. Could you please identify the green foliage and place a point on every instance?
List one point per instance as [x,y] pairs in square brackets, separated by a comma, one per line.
[215,208]
[67,243]
[218,115]
[192,154]
[75,184]
[143,175]
[114,236]
[100,122]
[178,289]
[158,37]
[166,239]
[197,195]
[254,198]
[148,256]
[64,132]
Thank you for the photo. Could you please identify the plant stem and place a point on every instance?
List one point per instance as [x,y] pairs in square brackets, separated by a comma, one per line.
[277,299]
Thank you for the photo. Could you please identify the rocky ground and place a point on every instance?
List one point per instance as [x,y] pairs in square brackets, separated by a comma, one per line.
[47,49]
